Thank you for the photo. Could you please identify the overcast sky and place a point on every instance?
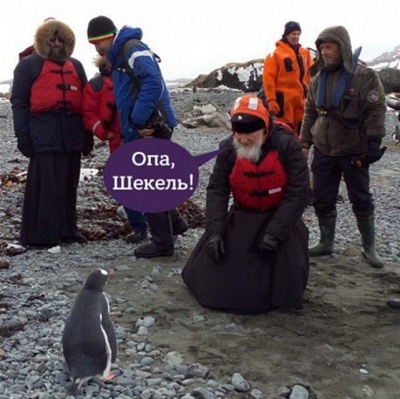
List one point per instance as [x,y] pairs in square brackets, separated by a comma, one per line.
[196,37]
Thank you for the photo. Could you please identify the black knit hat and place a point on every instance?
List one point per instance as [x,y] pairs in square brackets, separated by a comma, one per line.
[100,28]
[245,123]
[290,27]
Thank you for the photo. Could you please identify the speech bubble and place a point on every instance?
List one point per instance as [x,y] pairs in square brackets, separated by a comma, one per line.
[153,175]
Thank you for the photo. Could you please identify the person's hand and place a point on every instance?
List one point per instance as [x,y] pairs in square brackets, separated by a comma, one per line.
[305,152]
[273,107]
[268,244]
[374,151]
[215,247]
[146,133]
[109,135]
[24,144]
[88,143]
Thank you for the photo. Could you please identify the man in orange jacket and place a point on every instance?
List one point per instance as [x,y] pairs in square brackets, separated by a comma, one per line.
[286,77]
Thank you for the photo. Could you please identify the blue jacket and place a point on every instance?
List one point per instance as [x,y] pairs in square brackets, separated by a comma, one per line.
[136,102]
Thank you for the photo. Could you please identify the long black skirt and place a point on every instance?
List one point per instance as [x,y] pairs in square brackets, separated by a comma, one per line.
[246,282]
[49,211]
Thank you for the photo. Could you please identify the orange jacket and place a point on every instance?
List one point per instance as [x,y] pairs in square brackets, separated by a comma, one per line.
[282,73]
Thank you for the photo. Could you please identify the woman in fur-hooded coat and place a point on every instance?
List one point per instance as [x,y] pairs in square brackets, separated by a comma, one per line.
[47,105]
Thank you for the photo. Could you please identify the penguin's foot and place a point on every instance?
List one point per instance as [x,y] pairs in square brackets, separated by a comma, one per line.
[109,377]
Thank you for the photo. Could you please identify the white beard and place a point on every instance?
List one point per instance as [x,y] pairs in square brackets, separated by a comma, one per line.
[252,153]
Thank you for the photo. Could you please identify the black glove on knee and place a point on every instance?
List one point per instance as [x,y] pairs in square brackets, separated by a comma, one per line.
[215,247]
[268,244]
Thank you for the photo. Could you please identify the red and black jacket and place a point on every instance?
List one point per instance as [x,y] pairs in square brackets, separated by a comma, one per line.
[100,114]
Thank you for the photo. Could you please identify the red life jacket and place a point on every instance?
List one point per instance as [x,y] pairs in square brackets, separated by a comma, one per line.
[57,87]
[259,187]
[108,108]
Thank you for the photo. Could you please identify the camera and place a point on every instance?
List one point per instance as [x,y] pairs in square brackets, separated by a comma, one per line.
[161,128]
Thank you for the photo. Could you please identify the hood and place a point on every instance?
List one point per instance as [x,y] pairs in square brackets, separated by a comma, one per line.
[50,29]
[101,63]
[340,35]
[125,34]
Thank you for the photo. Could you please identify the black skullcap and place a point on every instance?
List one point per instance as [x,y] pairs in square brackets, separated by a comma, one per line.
[290,27]
[245,123]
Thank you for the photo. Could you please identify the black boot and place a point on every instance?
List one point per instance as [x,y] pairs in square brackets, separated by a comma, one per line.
[367,230]
[162,243]
[325,245]
[136,236]
[76,236]
[179,224]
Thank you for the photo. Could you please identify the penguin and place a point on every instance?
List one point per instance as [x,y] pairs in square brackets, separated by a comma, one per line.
[88,342]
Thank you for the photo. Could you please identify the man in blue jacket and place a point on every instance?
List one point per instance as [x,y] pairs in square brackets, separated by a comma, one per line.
[142,97]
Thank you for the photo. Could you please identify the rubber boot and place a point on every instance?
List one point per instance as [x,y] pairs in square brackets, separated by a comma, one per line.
[179,224]
[325,245]
[367,230]
[162,243]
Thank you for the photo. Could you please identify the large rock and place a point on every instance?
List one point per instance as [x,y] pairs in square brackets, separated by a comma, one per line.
[205,114]
[246,77]
[390,78]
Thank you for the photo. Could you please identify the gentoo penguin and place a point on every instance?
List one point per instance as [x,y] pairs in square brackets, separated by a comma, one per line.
[88,341]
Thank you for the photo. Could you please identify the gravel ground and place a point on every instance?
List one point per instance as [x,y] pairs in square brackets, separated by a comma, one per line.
[37,288]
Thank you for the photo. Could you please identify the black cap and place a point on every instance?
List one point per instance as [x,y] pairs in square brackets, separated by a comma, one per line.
[290,27]
[245,123]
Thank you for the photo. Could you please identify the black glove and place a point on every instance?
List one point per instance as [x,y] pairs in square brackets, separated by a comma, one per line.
[215,247]
[24,144]
[374,152]
[268,244]
[88,143]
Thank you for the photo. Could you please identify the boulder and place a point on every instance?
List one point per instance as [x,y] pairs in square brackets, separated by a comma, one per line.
[390,78]
[205,114]
[246,77]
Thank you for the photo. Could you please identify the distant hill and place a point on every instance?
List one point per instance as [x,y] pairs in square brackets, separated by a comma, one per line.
[389,59]
[177,82]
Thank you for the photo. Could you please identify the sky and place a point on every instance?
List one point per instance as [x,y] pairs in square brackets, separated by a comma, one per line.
[196,37]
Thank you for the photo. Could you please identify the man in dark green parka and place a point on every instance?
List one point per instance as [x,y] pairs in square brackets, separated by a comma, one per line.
[344,120]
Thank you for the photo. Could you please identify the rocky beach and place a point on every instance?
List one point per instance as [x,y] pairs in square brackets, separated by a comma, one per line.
[343,345]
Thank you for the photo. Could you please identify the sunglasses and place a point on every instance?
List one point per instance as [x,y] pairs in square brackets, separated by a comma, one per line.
[59,39]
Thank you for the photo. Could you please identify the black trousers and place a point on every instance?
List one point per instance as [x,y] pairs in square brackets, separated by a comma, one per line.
[327,173]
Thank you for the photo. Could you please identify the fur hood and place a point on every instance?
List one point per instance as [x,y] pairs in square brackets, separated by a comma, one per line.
[340,35]
[100,61]
[50,29]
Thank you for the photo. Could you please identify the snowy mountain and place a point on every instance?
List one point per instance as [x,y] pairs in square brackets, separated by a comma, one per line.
[389,59]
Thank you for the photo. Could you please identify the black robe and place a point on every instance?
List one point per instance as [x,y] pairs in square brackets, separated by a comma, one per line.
[49,213]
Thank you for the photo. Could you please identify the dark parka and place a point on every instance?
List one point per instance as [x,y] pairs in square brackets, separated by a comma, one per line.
[246,281]
[61,130]
[344,130]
